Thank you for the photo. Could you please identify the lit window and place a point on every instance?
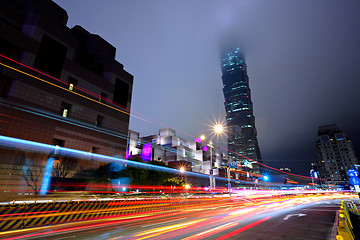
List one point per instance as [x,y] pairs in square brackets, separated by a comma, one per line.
[65,109]
[72,83]
[65,113]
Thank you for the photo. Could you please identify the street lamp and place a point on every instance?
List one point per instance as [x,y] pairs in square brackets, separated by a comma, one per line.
[217,130]
[182,171]
[266,179]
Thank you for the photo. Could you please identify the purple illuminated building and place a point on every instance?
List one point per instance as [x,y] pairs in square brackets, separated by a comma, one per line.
[146,152]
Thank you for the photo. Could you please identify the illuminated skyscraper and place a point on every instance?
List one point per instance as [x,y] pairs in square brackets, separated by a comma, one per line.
[240,119]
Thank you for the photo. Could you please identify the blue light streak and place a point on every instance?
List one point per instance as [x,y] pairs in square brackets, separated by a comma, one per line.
[30,146]
[47,176]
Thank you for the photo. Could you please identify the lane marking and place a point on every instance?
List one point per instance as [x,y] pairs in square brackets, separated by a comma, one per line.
[293,215]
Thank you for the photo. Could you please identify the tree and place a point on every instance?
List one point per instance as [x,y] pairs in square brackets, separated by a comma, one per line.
[174,181]
[158,177]
[30,167]
[61,168]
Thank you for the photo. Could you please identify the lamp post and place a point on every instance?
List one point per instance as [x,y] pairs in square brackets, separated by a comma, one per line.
[182,171]
[266,179]
[217,129]
[228,178]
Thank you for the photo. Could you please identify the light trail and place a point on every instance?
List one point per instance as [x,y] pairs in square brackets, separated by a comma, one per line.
[198,226]
[244,228]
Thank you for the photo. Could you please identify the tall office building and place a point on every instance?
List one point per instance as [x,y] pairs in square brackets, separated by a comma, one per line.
[336,155]
[240,119]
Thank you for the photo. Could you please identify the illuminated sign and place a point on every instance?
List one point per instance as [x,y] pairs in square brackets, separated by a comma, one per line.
[354,180]
[239,164]
[205,148]
[146,153]
[197,140]
[352,173]
[247,164]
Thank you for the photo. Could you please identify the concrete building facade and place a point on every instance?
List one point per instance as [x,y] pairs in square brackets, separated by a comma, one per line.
[60,86]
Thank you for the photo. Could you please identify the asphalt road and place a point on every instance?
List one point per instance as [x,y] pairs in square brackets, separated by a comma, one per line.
[291,218]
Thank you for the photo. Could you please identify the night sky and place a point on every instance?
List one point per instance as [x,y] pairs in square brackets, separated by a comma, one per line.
[303,61]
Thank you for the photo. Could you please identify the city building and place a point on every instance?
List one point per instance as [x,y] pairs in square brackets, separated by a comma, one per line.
[59,86]
[336,155]
[240,120]
[176,152]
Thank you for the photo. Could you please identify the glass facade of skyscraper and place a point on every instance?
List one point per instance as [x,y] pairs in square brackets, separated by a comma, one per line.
[242,135]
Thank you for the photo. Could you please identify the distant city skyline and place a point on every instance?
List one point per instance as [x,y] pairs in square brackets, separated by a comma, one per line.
[302,58]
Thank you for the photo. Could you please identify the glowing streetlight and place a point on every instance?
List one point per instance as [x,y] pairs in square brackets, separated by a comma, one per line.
[182,169]
[218,128]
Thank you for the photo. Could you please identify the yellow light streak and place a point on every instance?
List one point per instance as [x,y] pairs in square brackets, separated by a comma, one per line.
[162,230]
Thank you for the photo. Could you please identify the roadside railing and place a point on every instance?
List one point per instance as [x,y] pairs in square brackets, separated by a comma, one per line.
[347,215]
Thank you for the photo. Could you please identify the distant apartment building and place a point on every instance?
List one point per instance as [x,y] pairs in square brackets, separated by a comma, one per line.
[60,86]
[177,152]
[336,155]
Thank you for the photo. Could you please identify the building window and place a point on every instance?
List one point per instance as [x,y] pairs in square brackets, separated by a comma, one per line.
[58,142]
[99,121]
[103,97]
[65,109]
[50,57]
[95,150]
[72,83]
[121,92]
[5,86]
